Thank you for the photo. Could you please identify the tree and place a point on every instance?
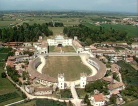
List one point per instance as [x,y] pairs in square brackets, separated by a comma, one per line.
[113,99]
[88,41]
[86,100]
[3,75]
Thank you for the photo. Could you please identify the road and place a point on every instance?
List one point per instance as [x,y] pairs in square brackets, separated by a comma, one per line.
[75,100]
[43,62]
[84,60]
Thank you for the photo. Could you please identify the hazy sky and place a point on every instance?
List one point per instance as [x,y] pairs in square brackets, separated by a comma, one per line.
[92,5]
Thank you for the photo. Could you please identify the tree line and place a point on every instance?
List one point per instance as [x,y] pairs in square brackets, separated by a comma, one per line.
[24,33]
[90,35]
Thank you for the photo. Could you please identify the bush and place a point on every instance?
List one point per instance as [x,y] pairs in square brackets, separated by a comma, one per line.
[3,75]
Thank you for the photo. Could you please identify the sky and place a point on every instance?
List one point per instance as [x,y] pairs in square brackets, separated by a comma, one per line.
[82,5]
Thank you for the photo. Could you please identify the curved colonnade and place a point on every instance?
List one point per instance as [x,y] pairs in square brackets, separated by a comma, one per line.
[99,66]
[98,70]
[34,74]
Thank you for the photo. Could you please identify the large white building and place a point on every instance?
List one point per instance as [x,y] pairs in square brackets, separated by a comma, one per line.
[59,40]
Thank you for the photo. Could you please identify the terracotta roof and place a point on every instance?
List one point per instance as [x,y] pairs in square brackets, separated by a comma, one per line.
[99,98]
[10,63]
[115,86]
[77,44]
[11,58]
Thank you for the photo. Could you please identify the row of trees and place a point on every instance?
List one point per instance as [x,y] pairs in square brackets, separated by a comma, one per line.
[90,35]
[24,33]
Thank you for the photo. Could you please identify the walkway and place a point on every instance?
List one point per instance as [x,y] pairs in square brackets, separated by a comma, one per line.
[76,99]
[43,62]
[15,103]
[84,58]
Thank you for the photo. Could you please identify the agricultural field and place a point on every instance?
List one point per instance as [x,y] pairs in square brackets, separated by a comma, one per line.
[131,30]
[71,66]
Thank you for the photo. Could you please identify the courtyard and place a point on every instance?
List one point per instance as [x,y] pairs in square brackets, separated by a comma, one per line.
[71,66]
[61,49]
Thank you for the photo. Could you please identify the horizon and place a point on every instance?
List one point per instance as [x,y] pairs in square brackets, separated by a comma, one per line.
[129,6]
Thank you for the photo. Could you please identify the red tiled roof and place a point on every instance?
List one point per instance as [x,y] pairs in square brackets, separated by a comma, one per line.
[99,98]
[115,86]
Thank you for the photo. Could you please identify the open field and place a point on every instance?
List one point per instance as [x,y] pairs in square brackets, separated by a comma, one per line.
[57,30]
[70,66]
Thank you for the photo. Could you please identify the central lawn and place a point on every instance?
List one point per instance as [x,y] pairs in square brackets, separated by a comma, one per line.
[54,49]
[71,66]
[68,49]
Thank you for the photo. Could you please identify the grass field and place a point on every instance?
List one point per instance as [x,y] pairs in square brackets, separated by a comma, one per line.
[70,66]
[7,23]
[57,30]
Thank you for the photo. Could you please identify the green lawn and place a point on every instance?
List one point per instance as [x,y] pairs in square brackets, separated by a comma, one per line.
[81,93]
[71,66]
